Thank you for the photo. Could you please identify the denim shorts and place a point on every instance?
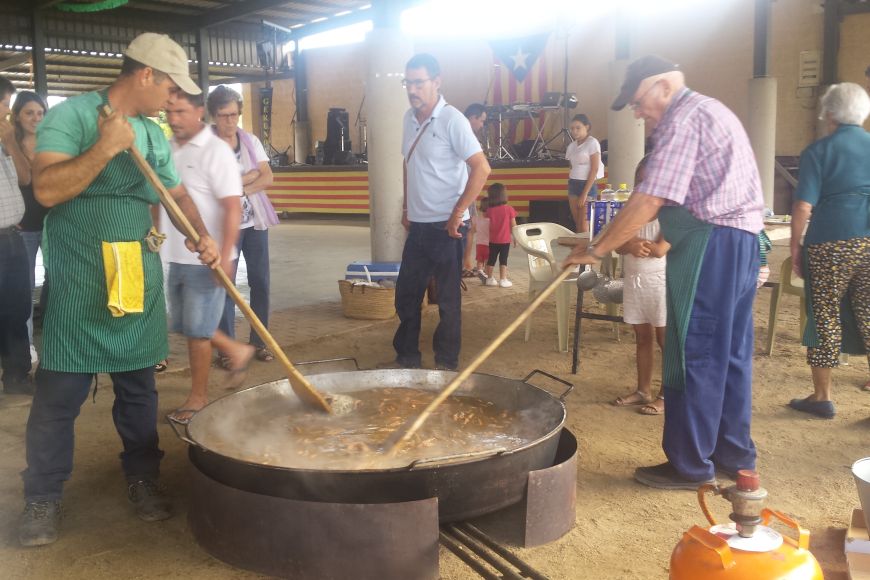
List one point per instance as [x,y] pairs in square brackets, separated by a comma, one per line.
[575,188]
[196,300]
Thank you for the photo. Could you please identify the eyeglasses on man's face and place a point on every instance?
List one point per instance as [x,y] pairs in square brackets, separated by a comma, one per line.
[227,116]
[635,104]
[414,83]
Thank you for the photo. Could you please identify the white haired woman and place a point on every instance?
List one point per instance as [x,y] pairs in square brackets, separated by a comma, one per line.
[834,189]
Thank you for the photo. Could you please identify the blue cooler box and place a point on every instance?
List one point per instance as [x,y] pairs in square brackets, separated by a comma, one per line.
[377,270]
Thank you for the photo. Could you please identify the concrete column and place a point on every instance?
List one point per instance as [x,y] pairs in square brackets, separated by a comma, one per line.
[625,134]
[386,102]
[762,131]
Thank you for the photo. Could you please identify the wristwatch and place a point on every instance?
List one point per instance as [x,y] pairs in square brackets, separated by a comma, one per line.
[590,249]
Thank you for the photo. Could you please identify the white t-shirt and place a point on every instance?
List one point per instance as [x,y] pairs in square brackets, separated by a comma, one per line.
[633,265]
[208,171]
[580,158]
[244,163]
[437,172]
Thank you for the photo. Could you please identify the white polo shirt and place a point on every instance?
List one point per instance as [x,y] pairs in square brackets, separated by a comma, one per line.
[209,172]
[437,170]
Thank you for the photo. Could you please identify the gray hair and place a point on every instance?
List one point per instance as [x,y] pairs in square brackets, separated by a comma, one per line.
[846,104]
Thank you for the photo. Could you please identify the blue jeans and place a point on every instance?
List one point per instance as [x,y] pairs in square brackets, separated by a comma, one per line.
[196,300]
[254,246]
[32,241]
[51,428]
[429,252]
[708,422]
[15,306]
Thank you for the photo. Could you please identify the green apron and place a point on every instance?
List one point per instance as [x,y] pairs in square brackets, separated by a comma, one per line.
[831,214]
[688,237]
[79,333]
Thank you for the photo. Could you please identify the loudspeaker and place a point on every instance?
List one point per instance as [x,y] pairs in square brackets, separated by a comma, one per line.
[336,149]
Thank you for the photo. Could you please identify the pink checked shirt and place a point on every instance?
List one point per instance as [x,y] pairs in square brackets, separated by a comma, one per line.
[702,160]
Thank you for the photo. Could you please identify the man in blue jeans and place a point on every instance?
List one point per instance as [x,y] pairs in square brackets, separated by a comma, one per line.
[444,170]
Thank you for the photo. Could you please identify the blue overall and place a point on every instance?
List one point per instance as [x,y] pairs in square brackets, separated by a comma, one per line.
[708,421]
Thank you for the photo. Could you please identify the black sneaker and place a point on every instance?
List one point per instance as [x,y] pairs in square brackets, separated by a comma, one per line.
[151,504]
[39,522]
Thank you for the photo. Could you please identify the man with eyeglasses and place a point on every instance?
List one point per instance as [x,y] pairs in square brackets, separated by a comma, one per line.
[437,144]
[702,182]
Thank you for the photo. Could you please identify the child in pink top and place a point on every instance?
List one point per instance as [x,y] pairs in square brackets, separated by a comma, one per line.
[502,218]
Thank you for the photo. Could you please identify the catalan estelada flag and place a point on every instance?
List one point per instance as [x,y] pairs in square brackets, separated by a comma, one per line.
[522,77]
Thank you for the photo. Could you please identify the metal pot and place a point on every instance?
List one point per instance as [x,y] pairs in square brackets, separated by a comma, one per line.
[466,485]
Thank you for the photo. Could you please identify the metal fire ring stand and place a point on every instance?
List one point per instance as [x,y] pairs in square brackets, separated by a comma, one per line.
[388,541]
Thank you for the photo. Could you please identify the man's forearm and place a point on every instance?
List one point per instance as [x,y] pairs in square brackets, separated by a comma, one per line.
[62,181]
[639,210]
[476,181]
[188,208]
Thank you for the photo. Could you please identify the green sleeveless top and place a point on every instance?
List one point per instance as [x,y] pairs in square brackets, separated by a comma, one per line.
[79,333]
[688,237]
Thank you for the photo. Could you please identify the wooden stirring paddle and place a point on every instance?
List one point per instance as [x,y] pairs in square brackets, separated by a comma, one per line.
[298,382]
[406,430]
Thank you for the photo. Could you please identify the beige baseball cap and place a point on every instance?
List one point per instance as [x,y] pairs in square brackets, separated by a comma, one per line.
[164,54]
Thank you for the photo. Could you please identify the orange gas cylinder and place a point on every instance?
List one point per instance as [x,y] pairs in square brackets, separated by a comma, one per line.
[746,549]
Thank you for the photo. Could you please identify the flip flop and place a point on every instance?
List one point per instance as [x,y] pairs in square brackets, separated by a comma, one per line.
[629,401]
[651,409]
[264,354]
[174,416]
[161,366]
[866,386]
[468,274]
[223,362]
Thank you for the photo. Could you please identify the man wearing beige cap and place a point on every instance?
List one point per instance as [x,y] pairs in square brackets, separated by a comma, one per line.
[702,181]
[97,238]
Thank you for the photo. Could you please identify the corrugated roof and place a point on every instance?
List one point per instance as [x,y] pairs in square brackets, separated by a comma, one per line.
[83,49]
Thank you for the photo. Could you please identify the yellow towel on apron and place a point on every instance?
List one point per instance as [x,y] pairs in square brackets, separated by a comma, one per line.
[125,277]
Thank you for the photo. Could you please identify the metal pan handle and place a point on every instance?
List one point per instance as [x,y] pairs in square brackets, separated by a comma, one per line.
[310,369]
[472,455]
[184,437]
[555,378]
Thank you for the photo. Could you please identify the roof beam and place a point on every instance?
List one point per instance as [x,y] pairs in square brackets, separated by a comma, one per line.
[234,12]
[847,8]
[14,61]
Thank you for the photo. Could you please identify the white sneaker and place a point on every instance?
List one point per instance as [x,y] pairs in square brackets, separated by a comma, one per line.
[34,357]
[491,282]
[505,283]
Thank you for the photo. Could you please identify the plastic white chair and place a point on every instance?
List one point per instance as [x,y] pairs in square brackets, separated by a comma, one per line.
[537,240]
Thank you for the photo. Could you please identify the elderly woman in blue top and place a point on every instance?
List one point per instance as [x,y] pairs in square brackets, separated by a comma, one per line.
[834,190]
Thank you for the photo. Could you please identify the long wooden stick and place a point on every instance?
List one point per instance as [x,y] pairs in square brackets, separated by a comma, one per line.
[298,382]
[403,433]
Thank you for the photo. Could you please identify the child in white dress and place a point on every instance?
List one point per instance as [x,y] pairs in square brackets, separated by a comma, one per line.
[644,307]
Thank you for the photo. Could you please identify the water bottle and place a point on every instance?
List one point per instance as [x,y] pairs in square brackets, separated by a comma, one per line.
[607,193]
[622,193]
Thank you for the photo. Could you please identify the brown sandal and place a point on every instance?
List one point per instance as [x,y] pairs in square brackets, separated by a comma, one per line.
[635,398]
[651,409]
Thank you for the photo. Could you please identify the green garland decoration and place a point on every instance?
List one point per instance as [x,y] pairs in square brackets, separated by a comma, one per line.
[89,6]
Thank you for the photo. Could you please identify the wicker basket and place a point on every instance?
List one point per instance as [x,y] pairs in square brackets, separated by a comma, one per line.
[367,302]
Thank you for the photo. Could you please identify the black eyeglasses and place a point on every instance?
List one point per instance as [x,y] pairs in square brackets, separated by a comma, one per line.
[635,105]
[416,83]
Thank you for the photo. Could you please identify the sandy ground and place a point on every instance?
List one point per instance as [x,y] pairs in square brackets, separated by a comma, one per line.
[623,530]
